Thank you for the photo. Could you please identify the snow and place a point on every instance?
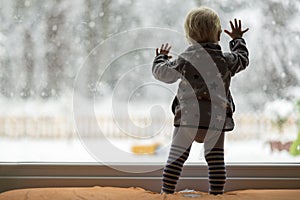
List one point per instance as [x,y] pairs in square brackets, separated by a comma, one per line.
[279,109]
[72,150]
[43,46]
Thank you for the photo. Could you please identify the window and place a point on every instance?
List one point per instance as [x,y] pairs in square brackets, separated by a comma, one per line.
[76,88]
[102,51]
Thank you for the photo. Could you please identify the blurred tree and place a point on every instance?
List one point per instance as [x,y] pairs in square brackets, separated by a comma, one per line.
[56,40]
[98,27]
[28,88]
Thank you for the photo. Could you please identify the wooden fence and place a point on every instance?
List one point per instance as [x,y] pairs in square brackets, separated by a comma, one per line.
[247,126]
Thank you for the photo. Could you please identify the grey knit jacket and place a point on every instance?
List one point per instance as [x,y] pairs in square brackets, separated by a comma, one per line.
[199,68]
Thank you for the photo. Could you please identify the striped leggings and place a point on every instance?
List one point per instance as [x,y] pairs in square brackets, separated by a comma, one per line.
[214,155]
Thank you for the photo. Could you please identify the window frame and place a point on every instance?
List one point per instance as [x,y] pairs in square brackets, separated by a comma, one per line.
[239,176]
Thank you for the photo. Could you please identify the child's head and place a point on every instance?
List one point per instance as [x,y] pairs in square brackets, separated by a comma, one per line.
[202,25]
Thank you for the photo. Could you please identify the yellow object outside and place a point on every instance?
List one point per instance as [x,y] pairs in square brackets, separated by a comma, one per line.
[145,149]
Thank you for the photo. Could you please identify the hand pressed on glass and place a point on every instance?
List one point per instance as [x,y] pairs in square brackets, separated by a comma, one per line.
[164,49]
[236,30]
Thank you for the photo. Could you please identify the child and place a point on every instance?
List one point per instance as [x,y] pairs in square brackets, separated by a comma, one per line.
[202,28]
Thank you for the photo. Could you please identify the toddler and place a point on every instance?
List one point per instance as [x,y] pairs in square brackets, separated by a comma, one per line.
[195,121]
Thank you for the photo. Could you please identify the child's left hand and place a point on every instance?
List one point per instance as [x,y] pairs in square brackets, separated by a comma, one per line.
[164,49]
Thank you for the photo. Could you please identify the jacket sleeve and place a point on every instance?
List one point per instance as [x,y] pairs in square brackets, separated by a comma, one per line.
[237,59]
[165,70]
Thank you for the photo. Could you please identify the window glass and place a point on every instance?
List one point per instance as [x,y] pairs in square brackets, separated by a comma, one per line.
[76,82]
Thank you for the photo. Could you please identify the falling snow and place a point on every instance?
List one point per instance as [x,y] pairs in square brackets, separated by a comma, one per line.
[43,46]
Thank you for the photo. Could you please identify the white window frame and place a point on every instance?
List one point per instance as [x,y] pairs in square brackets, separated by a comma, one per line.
[194,176]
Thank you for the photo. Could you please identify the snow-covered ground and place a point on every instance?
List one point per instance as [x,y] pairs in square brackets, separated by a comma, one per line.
[36,131]
[72,150]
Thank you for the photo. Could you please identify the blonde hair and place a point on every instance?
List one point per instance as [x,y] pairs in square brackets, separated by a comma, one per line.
[202,25]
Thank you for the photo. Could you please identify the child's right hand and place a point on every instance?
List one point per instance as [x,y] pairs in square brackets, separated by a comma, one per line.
[164,49]
[236,30]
